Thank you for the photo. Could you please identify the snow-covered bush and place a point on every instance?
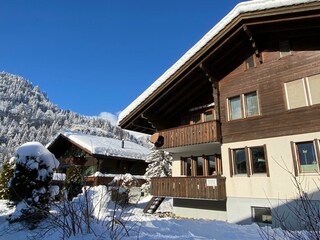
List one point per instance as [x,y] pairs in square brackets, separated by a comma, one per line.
[29,187]
[6,174]
[160,163]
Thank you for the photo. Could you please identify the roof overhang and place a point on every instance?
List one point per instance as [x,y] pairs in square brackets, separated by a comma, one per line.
[228,33]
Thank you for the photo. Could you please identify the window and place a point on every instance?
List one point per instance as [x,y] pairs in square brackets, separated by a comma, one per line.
[235,108]
[199,114]
[212,168]
[252,108]
[307,158]
[250,62]
[284,49]
[240,161]
[261,215]
[201,165]
[246,103]
[258,161]
[186,166]
[208,116]
[199,161]
[248,160]
[303,92]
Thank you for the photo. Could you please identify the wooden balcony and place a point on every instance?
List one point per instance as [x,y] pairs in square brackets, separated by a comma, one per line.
[191,134]
[207,187]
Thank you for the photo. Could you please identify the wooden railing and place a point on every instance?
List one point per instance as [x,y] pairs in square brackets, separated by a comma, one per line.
[191,134]
[208,187]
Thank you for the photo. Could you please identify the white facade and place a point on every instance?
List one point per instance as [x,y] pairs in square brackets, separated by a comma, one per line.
[276,191]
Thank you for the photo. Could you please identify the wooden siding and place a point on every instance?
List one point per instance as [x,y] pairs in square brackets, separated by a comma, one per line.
[188,187]
[191,134]
[268,80]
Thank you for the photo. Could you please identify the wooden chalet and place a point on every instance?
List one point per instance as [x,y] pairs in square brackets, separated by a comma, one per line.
[98,154]
[240,112]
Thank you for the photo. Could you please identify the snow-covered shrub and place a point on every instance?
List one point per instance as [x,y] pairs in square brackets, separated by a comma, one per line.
[160,163]
[6,174]
[29,187]
[91,207]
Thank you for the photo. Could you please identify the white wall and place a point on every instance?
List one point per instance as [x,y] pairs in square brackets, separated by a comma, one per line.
[279,185]
[200,213]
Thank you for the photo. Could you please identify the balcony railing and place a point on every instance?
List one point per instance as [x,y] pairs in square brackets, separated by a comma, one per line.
[208,187]
[191,134]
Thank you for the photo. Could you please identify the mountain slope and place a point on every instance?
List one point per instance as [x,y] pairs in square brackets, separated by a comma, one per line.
[26,114]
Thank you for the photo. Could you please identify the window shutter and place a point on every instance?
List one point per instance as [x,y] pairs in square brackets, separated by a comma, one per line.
[230,162]
[294,157]
[266,159]
[314,88]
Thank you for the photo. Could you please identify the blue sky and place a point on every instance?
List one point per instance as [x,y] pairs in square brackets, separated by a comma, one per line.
[99,55]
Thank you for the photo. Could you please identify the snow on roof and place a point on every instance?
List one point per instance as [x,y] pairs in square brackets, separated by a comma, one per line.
[108,146]
[243,7]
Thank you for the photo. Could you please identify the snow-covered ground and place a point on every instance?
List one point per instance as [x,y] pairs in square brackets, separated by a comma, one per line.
[138,224]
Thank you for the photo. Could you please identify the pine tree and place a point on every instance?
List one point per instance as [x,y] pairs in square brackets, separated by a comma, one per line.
[74,181]
[160,163]
[6,174]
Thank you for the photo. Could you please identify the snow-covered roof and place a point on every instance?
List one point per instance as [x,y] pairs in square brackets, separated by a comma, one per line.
[244,7]
[107,146]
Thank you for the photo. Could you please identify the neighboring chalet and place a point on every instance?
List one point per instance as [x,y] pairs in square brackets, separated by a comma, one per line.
[99,154]
[240,111]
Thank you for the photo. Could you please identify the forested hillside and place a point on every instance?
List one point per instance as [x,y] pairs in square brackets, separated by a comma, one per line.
[26,114]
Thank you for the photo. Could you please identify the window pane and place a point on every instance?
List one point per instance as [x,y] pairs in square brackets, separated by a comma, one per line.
[187,166]
[284,48]
[314,86]
[307,157]
[240,161]
[250,62]
[258,160]
[296,94]
[199,166]
[211,165]
[208,116]
[235,108]
[261,215]
[252,107]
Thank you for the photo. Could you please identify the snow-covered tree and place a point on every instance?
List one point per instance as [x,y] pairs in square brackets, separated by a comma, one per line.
[6,174]
[160,163]
[27,115]
[29,187]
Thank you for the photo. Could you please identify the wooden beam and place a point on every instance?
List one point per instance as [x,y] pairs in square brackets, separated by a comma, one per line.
[253,42]
[215,89]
